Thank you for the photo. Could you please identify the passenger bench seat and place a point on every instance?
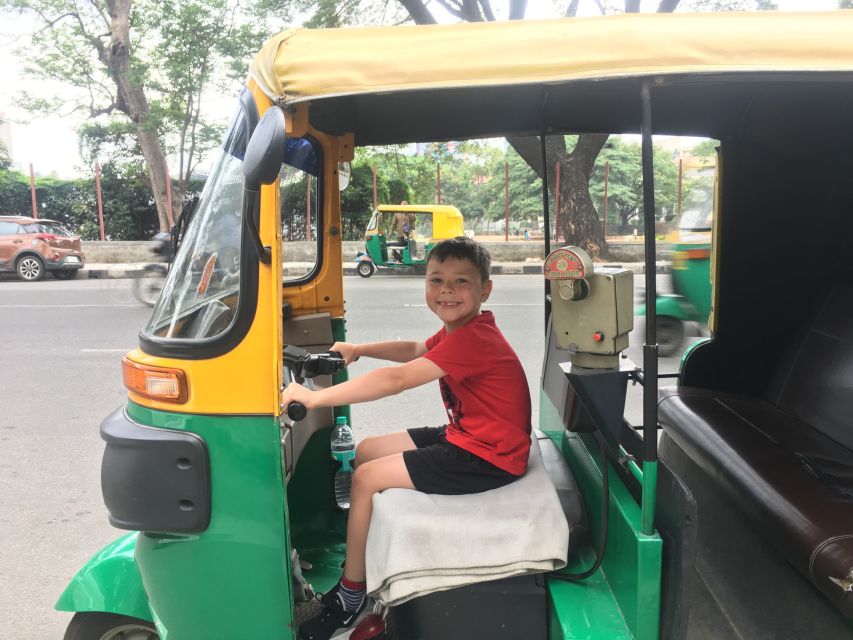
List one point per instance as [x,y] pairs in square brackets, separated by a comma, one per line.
[787,459]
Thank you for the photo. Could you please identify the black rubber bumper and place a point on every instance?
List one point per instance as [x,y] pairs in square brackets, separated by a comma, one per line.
[154,480]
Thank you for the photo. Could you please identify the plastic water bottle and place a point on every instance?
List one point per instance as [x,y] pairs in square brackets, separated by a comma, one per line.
[343,452]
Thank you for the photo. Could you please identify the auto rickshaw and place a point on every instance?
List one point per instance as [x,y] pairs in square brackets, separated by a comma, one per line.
[738,524]
[689,248]
[403,235]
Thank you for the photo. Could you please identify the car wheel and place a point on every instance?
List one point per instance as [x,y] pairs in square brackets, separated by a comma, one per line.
[97,625]
[65,275]
[29,268]
[670,335]
[365,269]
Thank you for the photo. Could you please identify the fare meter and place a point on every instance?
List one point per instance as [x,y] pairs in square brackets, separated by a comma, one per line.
[592,310]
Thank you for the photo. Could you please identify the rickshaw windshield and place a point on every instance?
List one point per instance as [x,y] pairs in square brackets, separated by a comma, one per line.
[200,297]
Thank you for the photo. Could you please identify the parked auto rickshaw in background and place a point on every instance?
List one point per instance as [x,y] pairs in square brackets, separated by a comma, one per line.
[726,514]
[403,235]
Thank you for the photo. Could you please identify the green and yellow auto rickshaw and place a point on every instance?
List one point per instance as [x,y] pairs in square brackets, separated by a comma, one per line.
[726,514]
[403,235]
[689,249]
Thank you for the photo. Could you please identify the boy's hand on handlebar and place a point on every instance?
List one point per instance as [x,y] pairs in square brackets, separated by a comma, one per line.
[347,350]
[295,392]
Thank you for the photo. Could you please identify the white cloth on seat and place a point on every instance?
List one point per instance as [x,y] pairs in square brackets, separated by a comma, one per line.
[421,543]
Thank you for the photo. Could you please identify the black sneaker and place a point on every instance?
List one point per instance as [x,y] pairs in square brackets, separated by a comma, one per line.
[333,618]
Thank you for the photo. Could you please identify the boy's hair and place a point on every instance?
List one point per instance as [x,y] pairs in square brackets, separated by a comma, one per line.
[463,248]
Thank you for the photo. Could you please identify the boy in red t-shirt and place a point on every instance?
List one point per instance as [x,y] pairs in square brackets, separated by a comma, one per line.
[486,441]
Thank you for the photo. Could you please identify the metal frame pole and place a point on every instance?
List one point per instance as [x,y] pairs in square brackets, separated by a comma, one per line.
[650,348]
[100,198]
[33,193]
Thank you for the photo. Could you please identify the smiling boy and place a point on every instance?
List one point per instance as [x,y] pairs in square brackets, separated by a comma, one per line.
[484,445]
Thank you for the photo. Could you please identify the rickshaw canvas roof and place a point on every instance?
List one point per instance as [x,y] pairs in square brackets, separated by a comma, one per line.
[353,76]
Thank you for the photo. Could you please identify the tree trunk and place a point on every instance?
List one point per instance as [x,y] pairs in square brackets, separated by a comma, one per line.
[133,100]
[578,216]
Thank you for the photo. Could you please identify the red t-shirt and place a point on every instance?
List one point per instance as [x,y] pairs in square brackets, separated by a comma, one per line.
[485,392]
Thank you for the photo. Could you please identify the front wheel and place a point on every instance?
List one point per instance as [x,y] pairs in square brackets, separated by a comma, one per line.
[30,268]
[670,335]
[149,284]
[365,269]
[97,625]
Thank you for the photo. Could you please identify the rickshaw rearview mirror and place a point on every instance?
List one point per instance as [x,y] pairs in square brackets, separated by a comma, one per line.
[264,153]
[344,174]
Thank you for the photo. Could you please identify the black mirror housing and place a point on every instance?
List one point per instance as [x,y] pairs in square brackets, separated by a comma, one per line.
[265,151]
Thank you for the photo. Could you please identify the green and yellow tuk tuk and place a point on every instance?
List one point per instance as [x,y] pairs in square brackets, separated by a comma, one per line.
[689,250]
[403,235]
[737,525]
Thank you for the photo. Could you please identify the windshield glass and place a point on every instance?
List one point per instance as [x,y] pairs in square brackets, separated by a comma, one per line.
[199,299]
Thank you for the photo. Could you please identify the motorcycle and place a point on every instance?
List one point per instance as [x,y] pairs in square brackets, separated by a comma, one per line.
[149,284]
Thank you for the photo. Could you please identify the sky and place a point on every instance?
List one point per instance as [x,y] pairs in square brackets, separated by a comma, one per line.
[51,144]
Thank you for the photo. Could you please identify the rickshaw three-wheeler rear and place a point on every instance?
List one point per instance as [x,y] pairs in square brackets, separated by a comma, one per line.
[727,513]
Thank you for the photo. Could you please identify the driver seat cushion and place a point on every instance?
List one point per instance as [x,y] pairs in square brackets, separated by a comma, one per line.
[787,459]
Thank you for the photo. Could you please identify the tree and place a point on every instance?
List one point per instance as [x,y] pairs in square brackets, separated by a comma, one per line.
[357,199]
[625,183]
[144,65]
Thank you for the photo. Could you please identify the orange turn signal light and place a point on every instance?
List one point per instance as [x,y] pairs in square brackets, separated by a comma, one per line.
[157,383]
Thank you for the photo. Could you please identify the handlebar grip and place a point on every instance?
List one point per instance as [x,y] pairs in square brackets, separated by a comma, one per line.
[296,411]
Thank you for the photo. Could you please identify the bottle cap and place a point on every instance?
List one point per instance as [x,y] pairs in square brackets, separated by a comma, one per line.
[341,420]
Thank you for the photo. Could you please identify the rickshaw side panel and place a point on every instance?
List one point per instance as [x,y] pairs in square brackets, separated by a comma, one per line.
[247,536]
[627,595]
[110,582]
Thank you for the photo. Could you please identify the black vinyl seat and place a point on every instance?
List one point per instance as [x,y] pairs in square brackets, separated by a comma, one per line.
[786,458]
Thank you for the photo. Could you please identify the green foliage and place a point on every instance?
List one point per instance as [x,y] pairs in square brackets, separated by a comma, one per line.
[14,193]
[357,199]
[625,183]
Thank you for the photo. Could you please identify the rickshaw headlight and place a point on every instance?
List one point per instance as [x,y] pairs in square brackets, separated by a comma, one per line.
[157,383]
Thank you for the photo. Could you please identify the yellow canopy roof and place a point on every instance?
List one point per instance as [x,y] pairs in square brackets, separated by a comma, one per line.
[307,64]
[496,78]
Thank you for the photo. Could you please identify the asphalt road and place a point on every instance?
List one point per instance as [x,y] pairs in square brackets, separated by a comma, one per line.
[60,374]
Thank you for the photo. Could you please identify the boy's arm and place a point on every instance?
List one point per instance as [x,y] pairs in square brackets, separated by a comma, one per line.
[379,383]
[393,350]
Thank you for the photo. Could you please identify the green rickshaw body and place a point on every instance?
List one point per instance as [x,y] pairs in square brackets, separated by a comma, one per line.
[247,537]
[109,582]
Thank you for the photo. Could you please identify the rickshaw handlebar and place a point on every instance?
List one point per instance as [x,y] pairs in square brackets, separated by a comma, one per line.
[300,366]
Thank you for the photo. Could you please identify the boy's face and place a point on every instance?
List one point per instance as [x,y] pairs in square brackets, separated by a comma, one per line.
[454,291]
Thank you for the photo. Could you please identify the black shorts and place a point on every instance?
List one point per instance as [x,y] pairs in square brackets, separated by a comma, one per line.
[439,466]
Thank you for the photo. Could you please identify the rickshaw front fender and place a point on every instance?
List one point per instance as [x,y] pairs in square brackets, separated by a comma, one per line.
[666,306]
[109,582]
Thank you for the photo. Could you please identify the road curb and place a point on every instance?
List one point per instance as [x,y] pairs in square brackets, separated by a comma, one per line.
[116,271]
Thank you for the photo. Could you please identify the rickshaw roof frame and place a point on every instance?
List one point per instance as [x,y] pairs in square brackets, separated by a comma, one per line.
[356,78]
[447,210]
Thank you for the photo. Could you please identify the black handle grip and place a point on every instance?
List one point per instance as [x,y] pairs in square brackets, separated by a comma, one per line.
[296,411]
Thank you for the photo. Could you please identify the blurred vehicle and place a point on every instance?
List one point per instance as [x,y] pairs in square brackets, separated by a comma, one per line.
[149,284]
[31,247]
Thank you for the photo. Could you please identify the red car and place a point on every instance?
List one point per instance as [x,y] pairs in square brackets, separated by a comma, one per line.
[32,247]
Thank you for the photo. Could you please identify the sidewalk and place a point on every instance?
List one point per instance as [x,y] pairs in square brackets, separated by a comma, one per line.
[105,270]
